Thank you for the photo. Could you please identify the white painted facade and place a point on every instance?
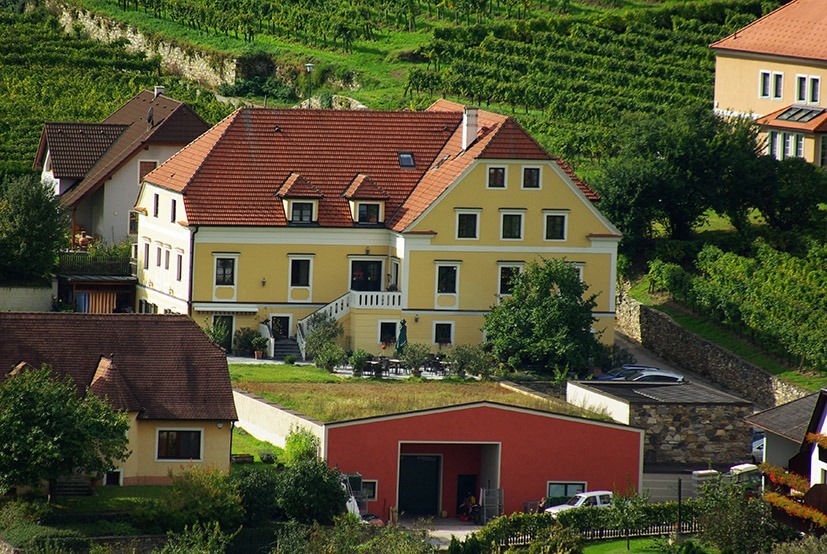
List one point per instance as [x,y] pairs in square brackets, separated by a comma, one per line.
[579,395]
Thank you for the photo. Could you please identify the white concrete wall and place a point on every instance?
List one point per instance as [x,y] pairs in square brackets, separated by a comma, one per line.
[27,299]
[270,422]
[581,396]
[778,450]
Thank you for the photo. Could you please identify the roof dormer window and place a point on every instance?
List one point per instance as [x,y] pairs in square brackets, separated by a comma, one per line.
[301,212]
[406,159]
[369,212]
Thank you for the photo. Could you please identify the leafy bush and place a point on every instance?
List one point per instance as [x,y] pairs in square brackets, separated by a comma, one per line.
[300,445]
[260,343]
[470,358]
[198,495]
[257,488]
[348,535]
[810,544]
[290,359]
[19,511]
[217,332]
[415,356]
[309,491]
[267,457]
[207,538]
[329,355]
[358,359]
[243,341]
[556,539]
[32,537]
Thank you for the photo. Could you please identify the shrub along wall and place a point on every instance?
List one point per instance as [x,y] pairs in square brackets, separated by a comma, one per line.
[659,333]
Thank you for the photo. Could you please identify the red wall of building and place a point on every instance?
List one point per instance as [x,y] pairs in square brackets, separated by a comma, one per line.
[535,449]
[457,459]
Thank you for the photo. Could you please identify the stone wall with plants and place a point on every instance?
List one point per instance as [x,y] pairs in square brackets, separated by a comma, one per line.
[659,333]
[201,67]
[694,433]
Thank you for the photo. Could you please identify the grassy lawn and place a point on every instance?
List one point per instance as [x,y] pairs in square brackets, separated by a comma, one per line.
[619,547]
[722,336]
[280,373]
[111,499]
[352,399]
[245,443]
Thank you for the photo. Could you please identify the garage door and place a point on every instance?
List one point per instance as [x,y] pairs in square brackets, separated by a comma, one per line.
[419,485]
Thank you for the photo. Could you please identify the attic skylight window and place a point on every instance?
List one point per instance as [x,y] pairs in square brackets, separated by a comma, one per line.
[406,159]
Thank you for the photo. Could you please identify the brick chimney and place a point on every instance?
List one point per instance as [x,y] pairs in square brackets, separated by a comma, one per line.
[470,127]
[159,91]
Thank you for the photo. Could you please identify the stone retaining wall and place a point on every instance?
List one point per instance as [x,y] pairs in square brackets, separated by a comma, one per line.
[694,433]
[201,67]
[659,333]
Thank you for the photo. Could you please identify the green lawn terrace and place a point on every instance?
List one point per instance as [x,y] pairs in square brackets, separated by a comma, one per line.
[330,397]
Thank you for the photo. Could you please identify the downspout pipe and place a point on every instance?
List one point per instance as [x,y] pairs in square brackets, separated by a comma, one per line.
[192,266]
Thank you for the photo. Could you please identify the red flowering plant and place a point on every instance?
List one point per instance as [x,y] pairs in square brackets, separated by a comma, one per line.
[781,477]
[795,508]
[817,439]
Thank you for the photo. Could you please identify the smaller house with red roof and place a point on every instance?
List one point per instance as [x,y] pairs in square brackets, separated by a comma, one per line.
[373,218]
[172,382]
[772,70]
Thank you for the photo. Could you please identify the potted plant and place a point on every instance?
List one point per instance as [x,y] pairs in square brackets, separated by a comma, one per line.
[259,346]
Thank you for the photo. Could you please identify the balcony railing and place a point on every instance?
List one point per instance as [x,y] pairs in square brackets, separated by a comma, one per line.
[81,263]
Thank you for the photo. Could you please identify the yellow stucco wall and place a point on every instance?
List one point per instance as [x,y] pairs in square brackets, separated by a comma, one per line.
[737,83]
[142,467]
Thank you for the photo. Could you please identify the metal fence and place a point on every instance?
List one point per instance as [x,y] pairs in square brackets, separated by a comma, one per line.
[658,530]
[81,263]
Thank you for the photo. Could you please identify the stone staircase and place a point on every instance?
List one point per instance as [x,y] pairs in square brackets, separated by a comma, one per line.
[286,347]
[74,486]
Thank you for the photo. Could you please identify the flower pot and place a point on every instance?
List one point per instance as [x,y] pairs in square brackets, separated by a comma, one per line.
[259,354]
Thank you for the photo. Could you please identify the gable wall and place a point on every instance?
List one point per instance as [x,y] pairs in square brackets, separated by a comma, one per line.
[737,81]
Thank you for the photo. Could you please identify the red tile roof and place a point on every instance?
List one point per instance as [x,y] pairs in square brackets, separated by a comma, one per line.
[296,186]
[232,174]
[163,365]
[172,123]
[797,29]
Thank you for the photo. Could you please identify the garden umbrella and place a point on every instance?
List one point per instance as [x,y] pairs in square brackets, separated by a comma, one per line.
[402,339]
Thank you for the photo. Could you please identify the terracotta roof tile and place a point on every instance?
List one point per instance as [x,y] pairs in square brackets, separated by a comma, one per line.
[234,173]
[166,362]
[109,383]
[173,123]
[797,29]
[296,186]
[363,188]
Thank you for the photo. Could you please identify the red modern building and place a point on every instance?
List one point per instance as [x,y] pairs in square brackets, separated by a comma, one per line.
[425,462]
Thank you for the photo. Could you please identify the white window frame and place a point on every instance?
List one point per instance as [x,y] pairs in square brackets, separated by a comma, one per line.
[476,212]
[119,471]
[159,249]
[158,431]
[380,217]
[488,169]
[146,253]
[556,213]
[579,267]
[379,323]
[539,169]
[234,287]
[366,258]
[764,78]
[375,490]
[813,97]
[772,144]
[442,295]
[290,286]
[799,145]
[504,212]
[453,331]
[787,151]
[156,204]
[801,87]
[167,256]
[777,83]
[179,265]
[500,266]
[313,211]
[823,150]
[173,210]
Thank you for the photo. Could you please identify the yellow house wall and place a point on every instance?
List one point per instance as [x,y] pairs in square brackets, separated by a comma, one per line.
[737,83]
[142,468]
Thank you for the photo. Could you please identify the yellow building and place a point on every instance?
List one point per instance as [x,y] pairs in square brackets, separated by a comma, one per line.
[772,70]
[163,372]
[372,217]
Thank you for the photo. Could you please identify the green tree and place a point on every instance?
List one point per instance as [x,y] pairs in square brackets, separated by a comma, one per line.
[300,445]
[547,320]
[628,512]
[32,228]
[669,171]
[791,200]
[47,431]
[309,491]
[322,330]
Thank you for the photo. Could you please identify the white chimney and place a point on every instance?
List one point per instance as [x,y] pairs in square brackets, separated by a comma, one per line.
[469,127]
[159,91]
